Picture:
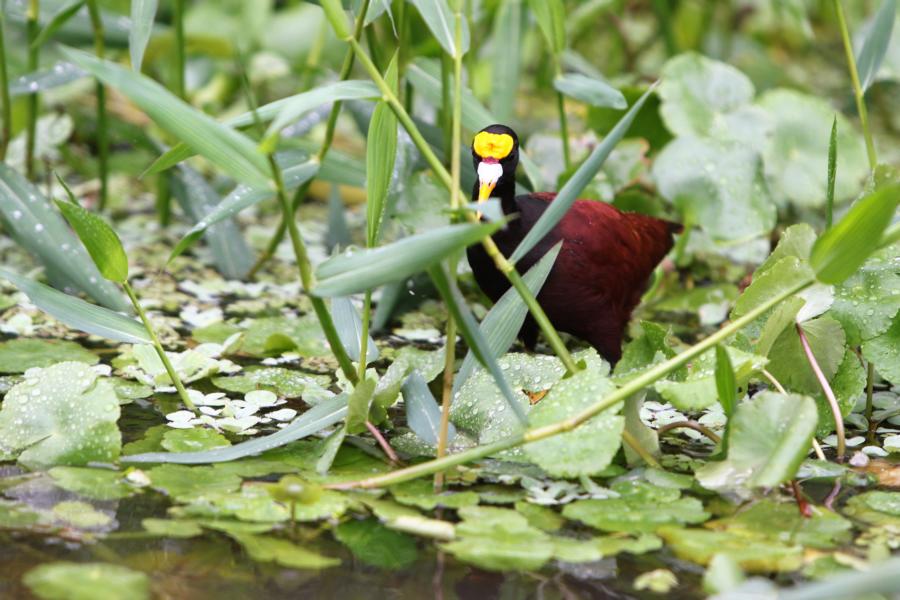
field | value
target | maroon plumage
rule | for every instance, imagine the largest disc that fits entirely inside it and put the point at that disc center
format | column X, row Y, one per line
column 603, row 268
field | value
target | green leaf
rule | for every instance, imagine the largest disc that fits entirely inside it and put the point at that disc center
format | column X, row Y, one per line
column 468, row 327
column 883, row 351
column 866, row 302
column 229, row 150
column 645, row 509
column 841, row 250
column 358, row 406
column 594, row 92
column 241, row 197
column 779, row 521
column 726, row 384
column 322, row 415
column 101, row 241
column 20, row 354
column 81, row 581
column 588, row 449
column 832, row 173
column 287, row 383
column 193, row 440
column 698, row 390
column 188, row 483
column 585, row 173
column 753, row 555
column 788, row 362
column 31, row 220
column 376, row 545
column 502, row 323
column 62, row 415
column 349, row 328
column 58, row 75
column 367, row 269
column 381, row 150
column 423, row 415
column 232, row 257
column 506, row 59
column 285, row 553
column 335, row 14
column 59, row 18
column 143, row 13
column 769, row 438
column 551, row 18
column 499, row 539
column 718, row 185
column 98, row 484
column 442, row 24
column 875, row 46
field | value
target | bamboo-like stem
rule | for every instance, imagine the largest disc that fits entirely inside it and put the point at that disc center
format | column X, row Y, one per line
column 858, row 92
column 307, row 278
column 330, row 126
column 709, row 433
column 534, row 434
column 180, row 59
column 829, row 393
column 102, row 129
column 5, row 103
column 32, row 28
column 160, row 351
column 500, row 261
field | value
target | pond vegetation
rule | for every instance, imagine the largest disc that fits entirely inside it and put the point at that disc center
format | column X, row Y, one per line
column 243, row 350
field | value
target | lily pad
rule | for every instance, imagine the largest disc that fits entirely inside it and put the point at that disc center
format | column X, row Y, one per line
column 420, row 493
column 782, row 522
column 643, row 511
column 283, row 552
column 270, row 336
column 754, row 555
column 172, row 528
column 61, row 415
column 284, row 382
column 250, row 503
column 193, row 440
column 374, row 544
column 698, row 389
column 20, row 354
column 87, row 581
column 98, row 484
column 187, row 483
column 867, row 302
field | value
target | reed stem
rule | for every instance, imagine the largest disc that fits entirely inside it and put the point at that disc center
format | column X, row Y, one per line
column 5, row 103
column 180, row 59
column 32, row 28
column 102, row 125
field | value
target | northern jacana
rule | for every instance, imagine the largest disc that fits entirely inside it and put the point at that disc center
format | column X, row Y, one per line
column 605, row 263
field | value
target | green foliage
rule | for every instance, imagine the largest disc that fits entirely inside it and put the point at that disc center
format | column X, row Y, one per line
column 79, row 581
column 20, row 354
column 101, row 241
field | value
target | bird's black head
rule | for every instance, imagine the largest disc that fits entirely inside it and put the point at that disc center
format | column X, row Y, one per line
column 495, row 153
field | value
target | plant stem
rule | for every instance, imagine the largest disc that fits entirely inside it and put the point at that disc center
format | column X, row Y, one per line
column 300, row 194
column 180, row 60
column 383, row 443
column 307, row 279
column 160, row 351
column 102, row 133
column 534, row 434
column 691, row 425
column 32, row 27
column 564, row 130
column 635, row 445
column 500, row 261
column 870, row 393
column 5, row 106
column 858, row 92
column 364, row 336
column 829, row 393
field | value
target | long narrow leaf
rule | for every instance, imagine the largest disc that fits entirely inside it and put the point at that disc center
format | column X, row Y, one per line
column 840, row 251
column 551, row 18
column 31, row 220
column 232, row 257
column 595, row 92
column 243, row 196
column 423, row 415
column 78, row 314
column 322, row 415
column 468, row 327
column 231, row 151
column 502, row 323
column 437, row 15
column 875, row 47
column 63, row 14
column 832, row 173
column 585, row 173
column 506, row 60
column 300, row 104
column 381, row 151
column 349, row 328
column 362, row 270
column 46, row 79
column 726, row 383
column 143, row 13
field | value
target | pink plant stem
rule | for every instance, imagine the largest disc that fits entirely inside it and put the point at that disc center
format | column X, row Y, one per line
column 829, row 394
column 382, row 442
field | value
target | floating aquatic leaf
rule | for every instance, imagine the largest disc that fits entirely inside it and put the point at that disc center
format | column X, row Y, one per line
column 79, row 581
column 20, row 354
column 283, row 552
column 99, row 484
column 374, row 544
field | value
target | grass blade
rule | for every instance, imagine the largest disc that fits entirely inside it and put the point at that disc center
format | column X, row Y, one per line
column 551, row 18
column 30, row 219
column 726, row 384
column 349, row 328
column 502, row 323
column 423, row 415
column 78, row 314
column 59, row 18
column 585, row 173
column 869, row 59
column 589, row 90
column 322, row 415
column 437, row 15
column 832, row 173
column 840, row 251
column 468, row 327
column 99, row 239
column 229, row 150
column 381, row 150
column 367, row 269
column 143, row 13
column 506, row 63
column 46, row 79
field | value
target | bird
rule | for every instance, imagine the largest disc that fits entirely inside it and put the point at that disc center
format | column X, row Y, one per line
column 605, row 263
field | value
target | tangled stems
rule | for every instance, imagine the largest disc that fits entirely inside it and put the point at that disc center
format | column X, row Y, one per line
column 648, row 377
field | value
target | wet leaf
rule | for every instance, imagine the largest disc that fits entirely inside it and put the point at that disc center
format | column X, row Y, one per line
column 98, row 484
column 753, row 555
column 423, row 414
column 698, row 389
column 636, row 514
column 87, row 581
column 788, row 362
column 187, row 483
column 20, row 354
column 61, row 415
column 884, row 352
column 193, row 440
column 100, row 239
column 867, row 301
column 284, row 382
